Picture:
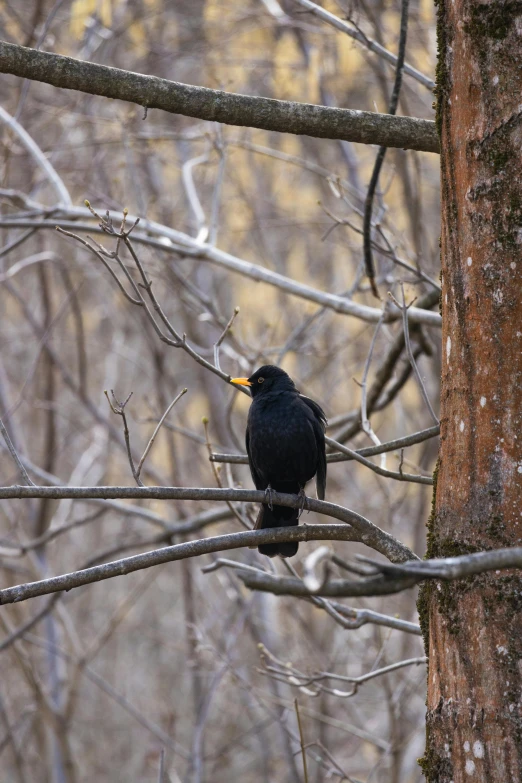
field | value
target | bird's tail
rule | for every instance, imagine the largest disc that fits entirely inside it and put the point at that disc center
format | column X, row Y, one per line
column 278, row 516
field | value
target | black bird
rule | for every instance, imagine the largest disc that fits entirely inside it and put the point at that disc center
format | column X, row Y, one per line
column 285, row 446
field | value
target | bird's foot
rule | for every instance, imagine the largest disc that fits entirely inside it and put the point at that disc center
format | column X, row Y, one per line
column 303, row 501
column 268, row 497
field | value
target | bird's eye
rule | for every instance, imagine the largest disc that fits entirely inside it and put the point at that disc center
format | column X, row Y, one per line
column 260, row 380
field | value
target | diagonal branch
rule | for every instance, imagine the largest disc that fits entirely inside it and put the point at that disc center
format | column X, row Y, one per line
column 370, row 44
column 154, row 235
column 38, row 156
column 12, row 451
column 396, row 475
column 218, row 106
column 170, row 554
column 392, row 579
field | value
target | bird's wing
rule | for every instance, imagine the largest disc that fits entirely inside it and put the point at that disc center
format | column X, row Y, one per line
column 320, row 476
column 256, row 478
column 319, row 428
column 318, row 412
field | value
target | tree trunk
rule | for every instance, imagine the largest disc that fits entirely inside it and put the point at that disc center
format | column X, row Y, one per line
column 474, row 627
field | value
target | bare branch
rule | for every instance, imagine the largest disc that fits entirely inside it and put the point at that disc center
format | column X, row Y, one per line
column 185, row 245
column 172, row 553
column 222, row 336
column 373, row 46
column 372, row 187
column 397, row 475
column 285, row 672
column 154, row 434
column 337, row 456
column 359, row 617
column 301, row 737
column 33, row 148
column 216, row 105
column 404, row 308
column 14, row 455
column 118, row 408
column 365, row 531
column 392, row 579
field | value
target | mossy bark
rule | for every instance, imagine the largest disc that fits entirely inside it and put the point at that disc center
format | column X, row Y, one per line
column 474, row 627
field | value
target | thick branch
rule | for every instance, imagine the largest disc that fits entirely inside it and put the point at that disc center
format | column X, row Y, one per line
column 367, row 532
column 394, row 579
column 216, row 105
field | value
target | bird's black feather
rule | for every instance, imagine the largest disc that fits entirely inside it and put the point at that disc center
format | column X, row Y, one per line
column 285, row 446
column 319, row 428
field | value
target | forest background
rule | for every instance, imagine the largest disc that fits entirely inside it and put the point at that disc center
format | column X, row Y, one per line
column 164, row 668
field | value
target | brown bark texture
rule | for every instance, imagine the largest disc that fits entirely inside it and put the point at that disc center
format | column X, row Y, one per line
column 474, row 626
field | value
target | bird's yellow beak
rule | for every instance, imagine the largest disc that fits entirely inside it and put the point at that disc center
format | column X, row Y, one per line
column 241, row 381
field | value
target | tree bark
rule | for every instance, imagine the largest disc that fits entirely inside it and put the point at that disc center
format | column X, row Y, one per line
column 473, row 627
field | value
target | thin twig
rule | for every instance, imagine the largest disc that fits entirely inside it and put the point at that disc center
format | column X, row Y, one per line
column 301, row 737
column 404, row 307
column 215, row 471
column 292, row 676
column 14, row 455
column 398, row 476
column 357, row 35
column 222, row 336
column 154, row 434
column 99, row 255
column 119, row 409
column 392, row 109
column 365, row 422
